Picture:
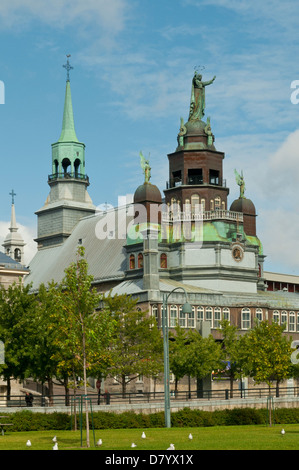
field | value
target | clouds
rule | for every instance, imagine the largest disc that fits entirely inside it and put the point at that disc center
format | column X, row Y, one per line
column 110, row 16
column 133, row 66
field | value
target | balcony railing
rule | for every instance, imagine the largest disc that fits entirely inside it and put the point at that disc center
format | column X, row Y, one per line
column 205, row 215
column 193, row 180
column 68, row 175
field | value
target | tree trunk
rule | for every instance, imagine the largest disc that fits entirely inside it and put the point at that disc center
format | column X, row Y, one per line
column 123, row 385
column 231, row 381
column 66, row 391
column 50, row 386
column 8, row 388
column 85, row 389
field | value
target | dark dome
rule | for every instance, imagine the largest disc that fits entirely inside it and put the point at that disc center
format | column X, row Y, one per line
column 195, row 127
column 147, row 192
column 243, row 205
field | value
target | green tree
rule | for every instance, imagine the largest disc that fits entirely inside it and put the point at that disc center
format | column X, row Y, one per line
column 267, row 353
column 231, row 350
column 137, row 347
column 83, row 332
column 17, row 331
column 192, row 355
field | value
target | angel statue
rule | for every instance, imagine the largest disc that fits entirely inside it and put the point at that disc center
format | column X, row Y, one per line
column 240, row 182
column 146, row 168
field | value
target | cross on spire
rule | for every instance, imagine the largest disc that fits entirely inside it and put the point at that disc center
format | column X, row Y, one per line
column 68, row 67
column 12, row 194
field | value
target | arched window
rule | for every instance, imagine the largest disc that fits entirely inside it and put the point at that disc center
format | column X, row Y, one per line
column 173, row 316
column 203, row 204
column 200, row 313
column 209, row 315
column 155, row 312
column 245, row 319
column 194, row 203
column 211, row 204
column 276, row 316
column 226, row 314
column 284, row 319
column 292, row 324
column 56, row 166
column 259, row 314
column 132, row 261
column 217, row 317
column 187, row 207
column 140, row 260
column 163, row 261
column 191, row 319
column 65, row 165
column 77, row 166
column 17, row 254
column 217, row 203
column 182, row 318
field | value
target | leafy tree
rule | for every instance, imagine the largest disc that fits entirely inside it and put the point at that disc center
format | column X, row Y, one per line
column 83, row 332
column 191, row 354
column 137, row 346
column 268, row 352
column 17, row 331
column 231, row 349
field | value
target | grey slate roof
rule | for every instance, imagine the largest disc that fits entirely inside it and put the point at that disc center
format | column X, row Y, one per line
column 9, row 263
column 106, row 257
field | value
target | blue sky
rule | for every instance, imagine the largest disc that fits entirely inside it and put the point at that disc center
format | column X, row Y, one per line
column 133, row 65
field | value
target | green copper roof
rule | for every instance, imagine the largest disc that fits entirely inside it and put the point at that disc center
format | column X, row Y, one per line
column 68, row 133
column 214, row 231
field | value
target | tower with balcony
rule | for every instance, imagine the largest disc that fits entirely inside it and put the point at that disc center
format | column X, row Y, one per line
column 68, row 200
column 210, row 245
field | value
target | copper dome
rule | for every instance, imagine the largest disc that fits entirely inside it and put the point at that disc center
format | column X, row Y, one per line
column 243, row 205
column 147, row 192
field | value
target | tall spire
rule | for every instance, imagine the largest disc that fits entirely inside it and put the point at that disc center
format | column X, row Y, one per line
column 68, row 133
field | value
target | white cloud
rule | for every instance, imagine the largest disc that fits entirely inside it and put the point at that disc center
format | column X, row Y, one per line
column 59, row 13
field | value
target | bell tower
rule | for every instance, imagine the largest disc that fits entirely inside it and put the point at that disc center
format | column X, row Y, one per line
column 196, row 167
column 14, row 243
column 68, row 200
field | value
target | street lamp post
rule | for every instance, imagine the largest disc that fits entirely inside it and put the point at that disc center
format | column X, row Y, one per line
column 187, row 309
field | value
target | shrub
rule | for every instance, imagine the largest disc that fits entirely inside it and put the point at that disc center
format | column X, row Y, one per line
column 26, row 420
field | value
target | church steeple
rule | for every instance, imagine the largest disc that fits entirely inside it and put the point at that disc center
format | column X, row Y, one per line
column 68, row 133
column 14, row 243
column 68, row 200
column 68, row 154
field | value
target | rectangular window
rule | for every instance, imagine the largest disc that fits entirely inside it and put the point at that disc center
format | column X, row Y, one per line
column 214, row 177
column 195, row 176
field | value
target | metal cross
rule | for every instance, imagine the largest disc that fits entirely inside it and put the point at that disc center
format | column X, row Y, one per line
column 12, row 194
column 68, row 67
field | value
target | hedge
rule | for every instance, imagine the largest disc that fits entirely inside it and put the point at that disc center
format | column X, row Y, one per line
column 27, row 420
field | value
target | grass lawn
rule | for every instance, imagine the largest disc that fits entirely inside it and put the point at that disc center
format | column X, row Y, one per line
column 205, row 438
